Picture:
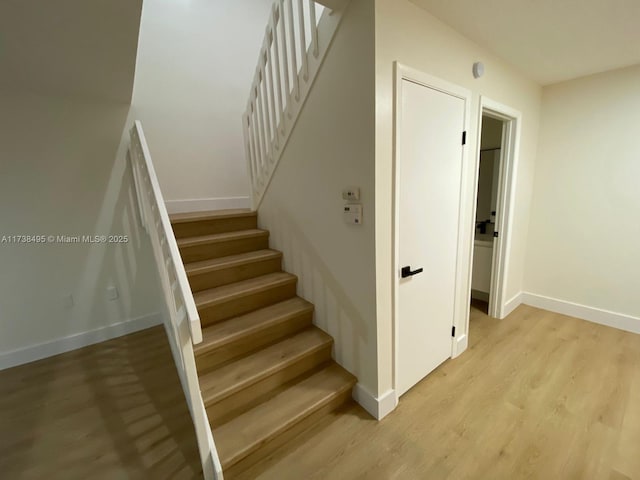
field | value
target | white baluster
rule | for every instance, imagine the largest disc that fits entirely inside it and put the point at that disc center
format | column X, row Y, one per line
column 265, row 109
column 261, row 129
column 303, row 41
column 276, row 51
column 285, row 56
column 271, row 91
column 314, row 28
column 247, row 144
column 256, row 137
column 294, row 61
column 254, row 144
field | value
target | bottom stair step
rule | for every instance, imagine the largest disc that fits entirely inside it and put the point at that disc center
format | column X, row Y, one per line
column 259, row 431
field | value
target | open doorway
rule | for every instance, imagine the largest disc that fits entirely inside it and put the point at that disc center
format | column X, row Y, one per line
column 498, row 140
column 486, row 210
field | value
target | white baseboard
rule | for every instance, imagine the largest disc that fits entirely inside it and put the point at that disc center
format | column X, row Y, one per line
column 511, row 305
column 460, row 344
column 584, row 312
column 378, row 407
column 478, row 295
column 72, row 342
column 203, row 204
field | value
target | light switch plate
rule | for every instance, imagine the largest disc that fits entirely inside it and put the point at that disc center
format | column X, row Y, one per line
column 353, row 214
column 351, row 193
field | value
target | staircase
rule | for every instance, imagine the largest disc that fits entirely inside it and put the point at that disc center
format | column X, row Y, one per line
column 265, row 371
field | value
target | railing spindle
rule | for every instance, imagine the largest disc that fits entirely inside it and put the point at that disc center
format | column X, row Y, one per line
column 254, row 148
column 271, row 90
column 256, row 139
column 248, row 147
column 285, row 55
column 276, row 56
column 303, row 41
column 261, row 128
column 294, row 54
column 275, row 103
column 314, row 28
column 265, row 107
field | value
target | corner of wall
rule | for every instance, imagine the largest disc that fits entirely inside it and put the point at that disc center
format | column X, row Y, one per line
column 377, row 407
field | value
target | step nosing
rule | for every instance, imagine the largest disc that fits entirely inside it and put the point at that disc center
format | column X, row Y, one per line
column 266, row 373
column 245, row 292
column 247, row 332
column 281, row 428
column 194, row 217
column 220, row 265
column 254, row 328
column 221, row 237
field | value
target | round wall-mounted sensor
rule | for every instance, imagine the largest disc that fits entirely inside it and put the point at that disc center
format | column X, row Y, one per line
column 478, row 69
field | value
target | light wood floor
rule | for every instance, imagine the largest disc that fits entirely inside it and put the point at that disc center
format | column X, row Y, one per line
column 110, row 411
column 536, row 396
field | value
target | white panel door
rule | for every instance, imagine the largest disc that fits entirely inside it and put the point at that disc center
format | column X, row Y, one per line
column 429, row 173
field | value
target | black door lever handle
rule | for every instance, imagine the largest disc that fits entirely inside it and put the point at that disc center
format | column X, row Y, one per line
column 407, row 272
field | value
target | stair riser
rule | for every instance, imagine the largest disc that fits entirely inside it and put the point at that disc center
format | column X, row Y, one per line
column 206, row 251
column 233, row 467
column 241, row 401
column 202, row 281
column 253, row 341
column 210, row 227
column 242, row 304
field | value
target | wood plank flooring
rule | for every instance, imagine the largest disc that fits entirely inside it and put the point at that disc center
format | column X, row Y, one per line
column 536, row 396
column 110, row 411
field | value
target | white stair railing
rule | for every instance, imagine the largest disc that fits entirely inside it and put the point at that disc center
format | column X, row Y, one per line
column 294, row 46
column 183, row 329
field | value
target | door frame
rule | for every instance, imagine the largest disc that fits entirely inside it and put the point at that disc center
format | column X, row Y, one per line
column 512, row 121
column 463, row 267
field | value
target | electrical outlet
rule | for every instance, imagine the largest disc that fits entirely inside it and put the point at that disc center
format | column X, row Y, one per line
column 112, row 293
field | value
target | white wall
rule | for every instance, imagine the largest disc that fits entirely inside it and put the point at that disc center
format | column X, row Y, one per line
column 332, row 147
column 63, row 172
column 410, row 35
column 195, row 66
column 585, row 219
column 70, row 48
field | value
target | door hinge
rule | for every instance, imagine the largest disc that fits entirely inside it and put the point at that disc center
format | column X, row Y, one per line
column 453, row 331
column 495, row 234
column 464, row 137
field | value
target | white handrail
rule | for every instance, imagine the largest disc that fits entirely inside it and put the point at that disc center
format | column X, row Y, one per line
column 183, row 322
column 294, row 46
column 167, row 232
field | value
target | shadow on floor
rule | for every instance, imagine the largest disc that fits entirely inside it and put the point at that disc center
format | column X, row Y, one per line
column 480, row 305
column 114, row 410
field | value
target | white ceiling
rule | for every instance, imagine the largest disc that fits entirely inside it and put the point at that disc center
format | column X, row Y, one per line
column 70, row 47
column 549, row 40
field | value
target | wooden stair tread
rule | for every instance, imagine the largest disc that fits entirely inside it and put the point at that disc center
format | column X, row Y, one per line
column 246, row 433
column 243, row 288
column 230, row 261
column 221, row 237
column 225, row 381
column 265, row 372
column 210, row 215
column 230, row 330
